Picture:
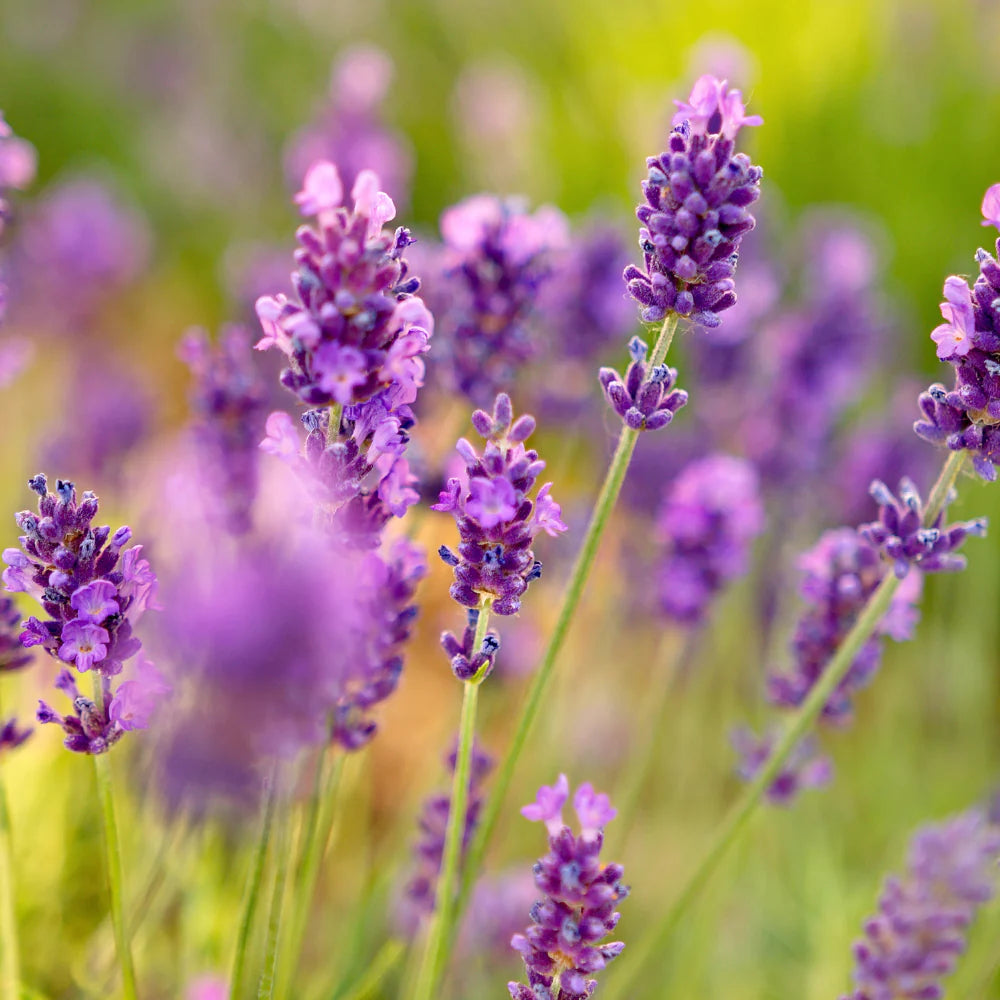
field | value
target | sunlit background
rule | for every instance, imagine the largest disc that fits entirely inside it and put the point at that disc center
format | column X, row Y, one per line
column 182, row 122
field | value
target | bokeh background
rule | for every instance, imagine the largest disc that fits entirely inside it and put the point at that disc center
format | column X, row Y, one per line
column 184, row 111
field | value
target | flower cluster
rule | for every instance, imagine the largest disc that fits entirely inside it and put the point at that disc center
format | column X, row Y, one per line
column 93, row 589
column 355, row 329
column 467, row 662
column 349, row 130
column 645, row 399
column 562, row 949
column 901, row 536
column 698, row 195
column 496, row 520
column 915, row 939
column 496, row 259
column 12, row 657
column 840, row 574
column 967, row 417
column 420, row 897
column 709, row 520
column 228, row 398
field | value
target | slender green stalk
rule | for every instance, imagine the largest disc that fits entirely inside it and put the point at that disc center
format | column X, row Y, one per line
column 796, row 728
column 440, row 935
column 315, row 838
column 105, row 795
column 574, row 590
column 333, row 427
column 265, row 985
column 10, row 975
column 381, row 965
column 251, row 894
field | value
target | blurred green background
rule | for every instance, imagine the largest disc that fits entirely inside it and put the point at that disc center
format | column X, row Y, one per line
column 892, row 108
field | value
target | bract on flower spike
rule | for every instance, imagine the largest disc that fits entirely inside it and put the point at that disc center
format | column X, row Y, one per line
column 562, row 949
column 93, row 590
column 496, row 519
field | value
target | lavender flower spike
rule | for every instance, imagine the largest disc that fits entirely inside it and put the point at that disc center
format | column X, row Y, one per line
column 900, row 535
column 562, row 948
column 496, row 520
column 645, row 399
column 915, row 939
column 697, row 198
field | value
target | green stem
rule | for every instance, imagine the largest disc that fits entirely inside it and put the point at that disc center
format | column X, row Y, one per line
column 333, row 426
column 265, row 986
column 251, row 893
column 574, row 590
column 316, row 837
column 440, row 935
column 381, row 965
column 796, row 728
column 10, row 979
column 105, row 795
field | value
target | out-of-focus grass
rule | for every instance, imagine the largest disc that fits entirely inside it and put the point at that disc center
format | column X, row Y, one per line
column 891, row 107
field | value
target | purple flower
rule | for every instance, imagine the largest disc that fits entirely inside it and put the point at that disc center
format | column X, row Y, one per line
column 83, row 643
column 645, row 399
column 947, row 422
column 420, row 899
column 562, row 949
column 991, row 206
column 713, row 109
column 95, row 601
column 228, row 397
column 12, row 736
column 839, row 576
column 12, row 654
column 354, row 301
column 915, row 939
column 954, row 336
column 803, row 768
column 901, row 536
column 467, row 662
column 495, row 517
column 17, row 166
column 496, row 260
column 696, row 211
column 709, row 520
column 135, row 700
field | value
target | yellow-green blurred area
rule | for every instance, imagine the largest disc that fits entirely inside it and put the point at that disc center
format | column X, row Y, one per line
column 890, row 108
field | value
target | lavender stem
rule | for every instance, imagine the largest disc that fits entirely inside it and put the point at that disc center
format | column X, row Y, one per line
column 10, row 978
column 574, row 590
column 838, row 666
column 252, row 890
column 381, row 965
column 102, row 767
column 265, row 986
column 439, row 939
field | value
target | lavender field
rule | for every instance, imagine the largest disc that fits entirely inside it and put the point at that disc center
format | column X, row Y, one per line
column 497, row 500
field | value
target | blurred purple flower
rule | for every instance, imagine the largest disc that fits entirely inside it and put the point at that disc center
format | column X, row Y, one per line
column 12, row 736
column 17, row 167
column 991, row 206
column 803, row 768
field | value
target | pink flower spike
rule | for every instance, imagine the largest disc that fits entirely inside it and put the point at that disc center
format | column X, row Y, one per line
column 991, row 206
column 593, row 809
column 954, row 336
column 547, row 807
column 322, row 190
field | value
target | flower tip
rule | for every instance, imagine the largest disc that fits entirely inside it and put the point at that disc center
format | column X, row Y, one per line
column 991, row 206
column 322, row 190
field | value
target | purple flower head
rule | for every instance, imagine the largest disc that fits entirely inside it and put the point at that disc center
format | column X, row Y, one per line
column 900, row 535
column 497, row 522
column 12, row 735
column 82, row 576
column 13, row 655
column 991, row 206
column 228, row 397
column 840, row 574
column 467, row 662
column 709, row 520
column 497, row 257
column 696, row 212
column 17, row 166
column 714, row 109
column 353, row 332
column 946, row 421
column 548, row 805
column 803, row 769
column 350, row 129
column 954, row 336
column 916, row 937
column 420, row 894
column 562, row 948
column 645, row 398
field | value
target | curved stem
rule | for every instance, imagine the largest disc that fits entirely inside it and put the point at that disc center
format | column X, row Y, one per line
column 316, row 837
column 574, row 590
column 439, row 939
column 333, row 425
column 381, row 965
column 251, row 893
column 265, row 986
column 797, row 727
column 105, row 795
